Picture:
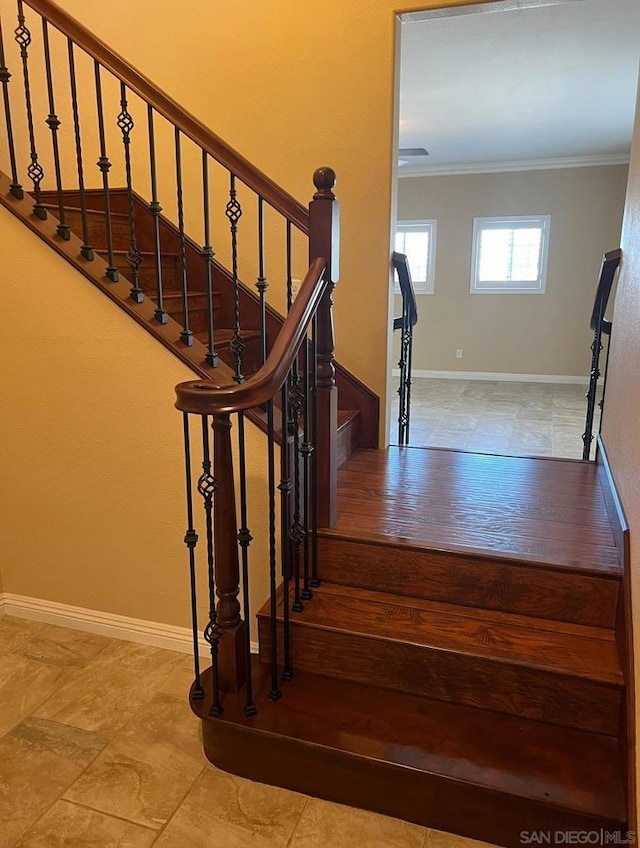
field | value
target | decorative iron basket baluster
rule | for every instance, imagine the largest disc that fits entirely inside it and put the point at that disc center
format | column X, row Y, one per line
column 297, row 530
column 234, row 213
column 34, row 171
column 134, row 257
column 306, row 450
column 105, row 166
column 5, row 76
column 207, row 486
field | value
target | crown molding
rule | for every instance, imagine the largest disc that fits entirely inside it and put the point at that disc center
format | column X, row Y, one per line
column 601, row 160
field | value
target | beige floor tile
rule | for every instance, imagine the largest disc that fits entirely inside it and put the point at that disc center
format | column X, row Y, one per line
column 48, row 643
column 438, row 839
column 326, row 825
column 228, row 811
column 38, row 760
column 180, row 678
column 110, row 689
column 148, row 768
column 25, row 684
column 69, row 826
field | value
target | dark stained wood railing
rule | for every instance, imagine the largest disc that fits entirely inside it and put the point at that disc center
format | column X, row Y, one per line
column 228, row 634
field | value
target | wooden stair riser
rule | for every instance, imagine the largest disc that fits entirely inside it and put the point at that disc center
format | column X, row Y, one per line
column 479, row 581
column 430, row 800
column 480, row 682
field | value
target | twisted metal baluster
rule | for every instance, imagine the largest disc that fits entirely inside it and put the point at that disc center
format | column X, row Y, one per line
column 53, row 122
column 134, row 257
column 86, row 250
column 186, row 335
column 207, row 255
column 261, row 283
column 275, row 692
column 159, row 314
column 105, row 165
column 34, row 171
column 15, row 188
column 285, row 487
column 207, row 486
column 234, row 213
column 244, row 539
column 191, row 540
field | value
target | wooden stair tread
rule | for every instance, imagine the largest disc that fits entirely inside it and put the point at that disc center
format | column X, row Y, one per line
column 522, row 509
column 53, row 207
column 560, row 767
column 224, row 335
column 569, row 649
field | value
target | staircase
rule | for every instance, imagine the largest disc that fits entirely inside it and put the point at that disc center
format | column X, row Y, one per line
column 458, row 665
column 445, row 637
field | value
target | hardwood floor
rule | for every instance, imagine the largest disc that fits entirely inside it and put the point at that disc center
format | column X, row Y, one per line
column 532, row 509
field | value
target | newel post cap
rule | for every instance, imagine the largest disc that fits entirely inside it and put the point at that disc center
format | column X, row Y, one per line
column 324, row 179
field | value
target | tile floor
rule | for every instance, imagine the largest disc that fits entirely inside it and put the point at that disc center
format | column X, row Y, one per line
column 541, row 419
column 99, row 749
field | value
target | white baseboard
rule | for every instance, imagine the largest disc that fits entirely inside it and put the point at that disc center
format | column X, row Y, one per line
column 154, row 633
column 498, row 376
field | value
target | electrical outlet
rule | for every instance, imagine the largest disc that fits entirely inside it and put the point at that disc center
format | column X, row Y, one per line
column 458, row 354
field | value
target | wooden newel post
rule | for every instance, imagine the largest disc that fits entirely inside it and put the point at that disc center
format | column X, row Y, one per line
column 324, row 243
column 231, row 648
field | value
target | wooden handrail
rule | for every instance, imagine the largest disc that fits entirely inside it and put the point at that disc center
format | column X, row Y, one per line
column 202, row 398
column 174, row 113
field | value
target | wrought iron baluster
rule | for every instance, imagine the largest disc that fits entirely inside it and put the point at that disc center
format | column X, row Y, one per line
column 86, row 250
column 306, row 450
column 105, row 165
column 244, row 540
column 285, row 487
column 234, row 213
column 207, row 255
column 314, row 582
column 34, row 171
column 159, row 314
column 191, row 540
column 186, row 335
column 207, row 485
column 261, row 283
column 5, row 76
column 297, row 530
column 289, row 251
column 53, row 122
column 134, row 257
column 275, row 692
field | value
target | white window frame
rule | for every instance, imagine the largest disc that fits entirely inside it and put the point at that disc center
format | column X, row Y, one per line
column 431, row 226
column 511, row 286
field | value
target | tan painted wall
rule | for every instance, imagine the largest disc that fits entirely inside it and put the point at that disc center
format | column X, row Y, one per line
column 622, row 411
column 517, row 333
column 92, row 495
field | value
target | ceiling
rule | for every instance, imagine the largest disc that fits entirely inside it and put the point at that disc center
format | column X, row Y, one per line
column 498, row 89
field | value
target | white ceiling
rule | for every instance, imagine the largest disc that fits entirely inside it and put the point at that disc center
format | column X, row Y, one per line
column 543, row 82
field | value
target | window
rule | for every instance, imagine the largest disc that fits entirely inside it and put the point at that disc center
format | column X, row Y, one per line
column 417, row 239
column 510, row 255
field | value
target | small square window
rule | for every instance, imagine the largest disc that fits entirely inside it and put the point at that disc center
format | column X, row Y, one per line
column 417, row 239
column 510, row 255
